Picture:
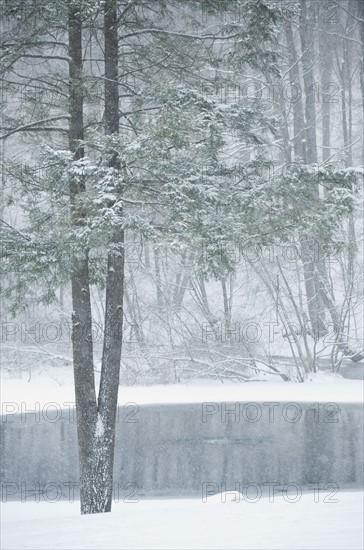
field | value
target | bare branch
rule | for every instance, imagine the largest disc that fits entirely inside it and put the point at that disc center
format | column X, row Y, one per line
column 33, row 126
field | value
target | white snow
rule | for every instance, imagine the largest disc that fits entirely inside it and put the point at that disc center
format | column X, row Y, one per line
column 189, row 524
column 219, row 523
column 57, row 387
column 99, row 427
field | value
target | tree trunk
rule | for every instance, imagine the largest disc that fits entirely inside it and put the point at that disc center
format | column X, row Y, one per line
column 158, row 279
column 304, row 153
column 326, row 63
column 228, row 303
column 361, row 30
column 315, row 302
column 299, row 142
column 281, row 108
column 113, row 330
column 96, row 419
column 182, row 280
column 86, row 406
column 308, row 61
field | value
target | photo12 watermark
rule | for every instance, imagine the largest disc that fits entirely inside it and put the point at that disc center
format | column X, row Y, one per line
column 271, row 411
column 270, row 331
column 252, row 492
column 53, row 492
column 53, row 412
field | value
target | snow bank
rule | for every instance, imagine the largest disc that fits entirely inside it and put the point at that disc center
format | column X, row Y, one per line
column 321, row 387
column 189, row 524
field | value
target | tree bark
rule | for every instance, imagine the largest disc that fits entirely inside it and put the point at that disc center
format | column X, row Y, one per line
column 96, row 419
column 299, row 142
column 307, row 41
column 326, row 63
column 304, row 144
column 113, row 330
column 313, row 284
column 86, row 406
column 361, row 31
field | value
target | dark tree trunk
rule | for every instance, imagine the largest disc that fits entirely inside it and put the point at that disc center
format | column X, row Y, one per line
column 96, row 418
column 86, row 406
column 113, row 330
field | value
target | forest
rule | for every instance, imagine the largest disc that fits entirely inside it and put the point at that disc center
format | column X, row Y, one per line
column 220, row 145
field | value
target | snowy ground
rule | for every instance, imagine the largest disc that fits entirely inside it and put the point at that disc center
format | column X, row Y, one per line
column 187, row 523
column 56, row 385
